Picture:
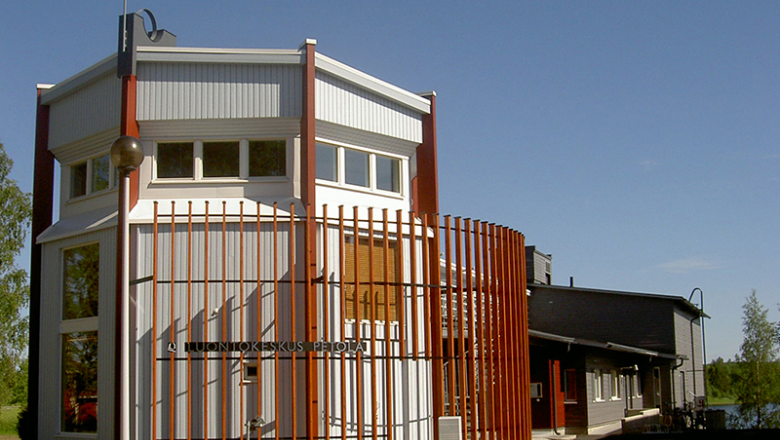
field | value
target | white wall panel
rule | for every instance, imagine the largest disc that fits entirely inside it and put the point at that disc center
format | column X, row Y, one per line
column 217, row 91
column 343, row 103
column 50, row 391
column 85, row 112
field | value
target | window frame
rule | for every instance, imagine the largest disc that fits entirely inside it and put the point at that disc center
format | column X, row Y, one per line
column 364, row 243
column 598, row 385
column 615, row 388
column 88, row 177
column 69, row 326
column 569, row 384
column 243, row 161
column 373, row 155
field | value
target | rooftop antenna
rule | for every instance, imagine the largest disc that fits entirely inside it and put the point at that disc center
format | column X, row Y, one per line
column 124, row 27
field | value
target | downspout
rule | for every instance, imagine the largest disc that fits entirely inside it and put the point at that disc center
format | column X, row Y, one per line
column 674, row 394
column 554, row 396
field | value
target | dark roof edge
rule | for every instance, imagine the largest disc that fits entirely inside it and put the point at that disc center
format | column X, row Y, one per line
column 604, row 345
column 690, row 306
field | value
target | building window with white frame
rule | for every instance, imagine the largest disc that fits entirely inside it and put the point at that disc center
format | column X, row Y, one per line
column 598, row 385
column 220, row 160
column 615, row 385
column 350, row 167
column 79, row 339
column 92, row 176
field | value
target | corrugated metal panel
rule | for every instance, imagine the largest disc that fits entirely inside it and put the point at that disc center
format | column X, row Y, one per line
column 217, row 91
column 50, row 348
column 343, row 103
column 90, row 110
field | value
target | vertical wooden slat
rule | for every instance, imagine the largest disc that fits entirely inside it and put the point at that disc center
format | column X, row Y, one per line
column 258, row 312
column 190, row 409
column 224, row 320
column 472, row 341
column 292, row 247
column 490, row 354
column 482, row 378
column 343, row 322
column 498, row 337
column 461, row 366
column 276, row 319
column 325, row 317
column 400, row 302
column 311, row 391
column 154, row 323
column 388, row 348
column 241, row 416
column 426, row 290
column 451, row 380
column 206, row 321
column 372, row 319
column 357, row 332
column 172, row 329
column 435, row 329
column 413, row 280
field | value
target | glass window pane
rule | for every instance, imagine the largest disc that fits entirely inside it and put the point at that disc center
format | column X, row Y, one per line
column 78, row 180
column 356, row 167
column 174, row 160
column 387, row 174
column 100, row 173
column 220, row 159
column 79, row 382
column 81, row 282
column 267, row 158
column 327, row 168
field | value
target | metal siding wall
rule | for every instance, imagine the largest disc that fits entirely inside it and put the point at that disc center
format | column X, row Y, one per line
column 342, row 103
column 51, row 306
column 412, row 407
column 217, row 91
column 90, row 110
column 692, row 348
column 216, row 314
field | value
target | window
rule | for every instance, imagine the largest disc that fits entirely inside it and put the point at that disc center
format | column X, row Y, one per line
column 221, row 159
column 79, row 339
column 615, row 385
column 360, row 263
column 175, row 160
column 79, row 382
column 100, row 173
column 267, row 158
column 78, row 180
column 91, row 176
column 232, row 159
column 81, row 282
column 570, row 385
column 388, row 174
column 536, row 390
column 358, row 168
column 598, row 385
column 327, row 161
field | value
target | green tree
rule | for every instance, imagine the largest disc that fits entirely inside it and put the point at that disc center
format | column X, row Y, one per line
column 756, row 379
column 14, row 295
column 719, row 374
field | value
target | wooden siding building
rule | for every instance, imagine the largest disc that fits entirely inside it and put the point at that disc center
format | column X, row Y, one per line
column 285, row 257
column 609, row 354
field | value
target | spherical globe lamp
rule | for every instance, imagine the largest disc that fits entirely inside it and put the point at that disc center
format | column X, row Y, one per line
column 127, row 154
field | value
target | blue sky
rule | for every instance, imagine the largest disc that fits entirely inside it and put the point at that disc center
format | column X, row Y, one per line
column 638, row 142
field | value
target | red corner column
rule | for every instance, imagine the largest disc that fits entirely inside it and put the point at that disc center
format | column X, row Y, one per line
column 308, row 198
column 129, row 125
column 43, row 193
column 425, row 187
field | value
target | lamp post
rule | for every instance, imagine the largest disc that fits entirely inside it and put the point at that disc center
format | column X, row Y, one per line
column 126, row 155
column 703, row 341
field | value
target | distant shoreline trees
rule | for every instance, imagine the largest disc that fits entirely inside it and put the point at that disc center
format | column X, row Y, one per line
column 753, row 378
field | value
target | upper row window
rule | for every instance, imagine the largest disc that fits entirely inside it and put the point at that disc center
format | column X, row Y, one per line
column 360, row 168
column 222, row 159
column 92, row 176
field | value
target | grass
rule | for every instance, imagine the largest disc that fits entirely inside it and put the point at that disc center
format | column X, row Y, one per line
column 8, row 417
column 721, row 401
